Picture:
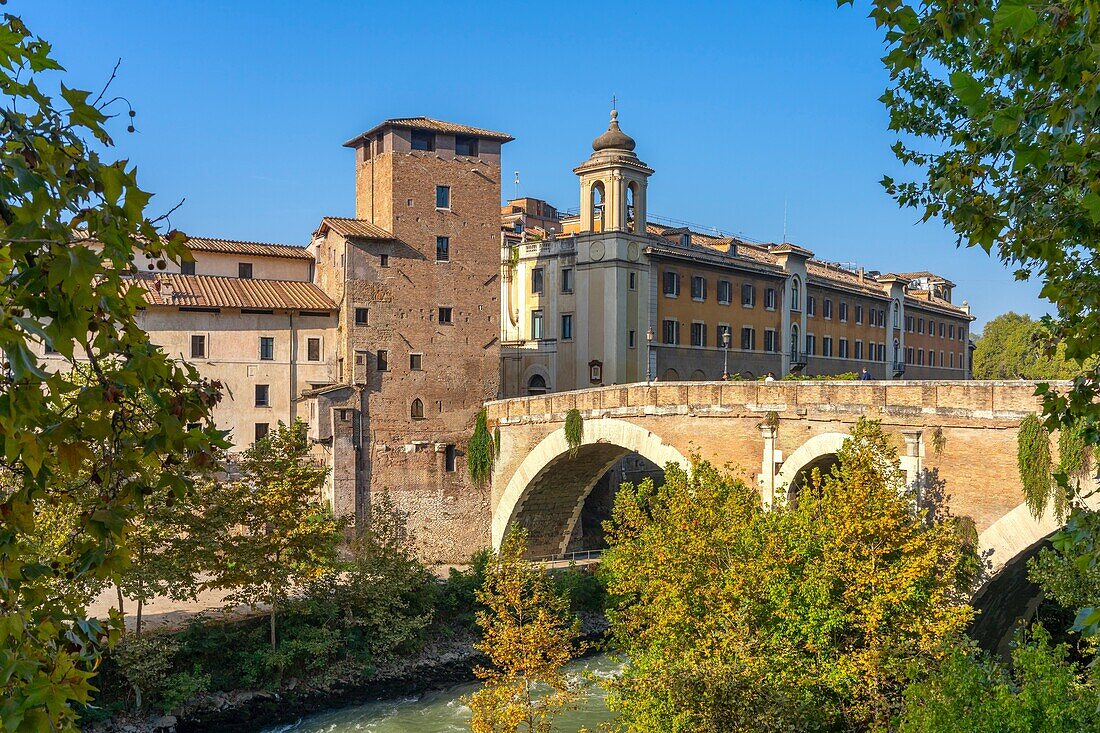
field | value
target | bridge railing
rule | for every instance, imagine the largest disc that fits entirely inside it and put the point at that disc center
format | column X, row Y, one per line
column 569, row 557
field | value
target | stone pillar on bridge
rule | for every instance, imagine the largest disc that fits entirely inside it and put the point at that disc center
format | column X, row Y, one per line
column 767, row 465
column 911, row 460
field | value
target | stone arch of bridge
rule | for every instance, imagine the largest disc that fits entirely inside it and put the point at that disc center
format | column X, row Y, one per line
column 817, row 452
column 547, row 492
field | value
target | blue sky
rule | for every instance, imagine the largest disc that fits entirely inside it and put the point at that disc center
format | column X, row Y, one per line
column 739, row 106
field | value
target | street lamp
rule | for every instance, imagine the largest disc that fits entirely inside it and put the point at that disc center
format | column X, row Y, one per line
column 725, row 354
column 648, row 354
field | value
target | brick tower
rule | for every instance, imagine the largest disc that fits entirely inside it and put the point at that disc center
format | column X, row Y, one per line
column 416, row 278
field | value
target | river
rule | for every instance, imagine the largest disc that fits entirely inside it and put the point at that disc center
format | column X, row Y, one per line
column 439, row 712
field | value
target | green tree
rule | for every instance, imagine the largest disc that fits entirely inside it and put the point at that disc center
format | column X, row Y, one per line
column 271, row 531
column 529, row 635
column 71, row 226
column 805, row 617
column 1042, row 691
column 995, row 105
column 1014, row 346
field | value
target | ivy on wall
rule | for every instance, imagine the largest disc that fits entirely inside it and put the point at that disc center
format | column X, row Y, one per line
column 1033, row 458
column 480, row 451
column 574, row 430
column 1074, row 456
column 939, row 440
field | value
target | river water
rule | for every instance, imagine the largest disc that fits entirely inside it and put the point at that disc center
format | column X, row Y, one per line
column 443, row 711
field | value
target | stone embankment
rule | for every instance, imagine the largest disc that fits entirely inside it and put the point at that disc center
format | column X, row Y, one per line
column 443, row 662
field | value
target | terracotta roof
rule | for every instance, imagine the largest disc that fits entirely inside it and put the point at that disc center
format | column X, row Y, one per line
column 359, row 228
column 427, row 123
column 207, row 291
column 233, row 246
column 924, row 274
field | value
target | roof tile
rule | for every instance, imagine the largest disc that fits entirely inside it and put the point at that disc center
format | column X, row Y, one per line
column 233, row 246
column 170, row 289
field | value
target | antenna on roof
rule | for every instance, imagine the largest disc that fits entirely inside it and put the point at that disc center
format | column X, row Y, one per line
column 517, row 185
column 784, row 220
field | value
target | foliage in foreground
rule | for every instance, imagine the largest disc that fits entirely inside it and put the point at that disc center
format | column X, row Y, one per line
column 808, row 617
column 1043, row 691
column 529, row 636
column 72, row 226
column 995, row 106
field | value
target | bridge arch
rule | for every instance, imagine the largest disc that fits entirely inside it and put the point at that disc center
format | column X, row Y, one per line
column 548, row 490
column 818, row 452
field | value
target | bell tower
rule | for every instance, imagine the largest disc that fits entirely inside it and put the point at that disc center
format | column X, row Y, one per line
column 613, row 184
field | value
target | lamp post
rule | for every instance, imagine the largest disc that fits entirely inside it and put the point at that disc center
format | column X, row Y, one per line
column 648, row 354
column 725, row 354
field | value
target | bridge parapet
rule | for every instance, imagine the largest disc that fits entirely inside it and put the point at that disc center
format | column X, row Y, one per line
column 986, row 400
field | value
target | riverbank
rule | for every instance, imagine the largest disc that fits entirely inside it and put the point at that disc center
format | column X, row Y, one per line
column 443, row 662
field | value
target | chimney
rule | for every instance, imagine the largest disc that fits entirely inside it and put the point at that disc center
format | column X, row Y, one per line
column 860, row 276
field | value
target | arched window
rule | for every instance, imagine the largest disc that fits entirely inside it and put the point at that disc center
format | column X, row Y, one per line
column 794, row 342
column 631, row 192
column 897, row 314
column 897, row 352
column 796, row 294
column 536, row 384
column 417, row 410
column 597, row 203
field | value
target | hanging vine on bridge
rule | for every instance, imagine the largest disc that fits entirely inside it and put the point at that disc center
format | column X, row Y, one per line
column 574, row 430
column 1033, row 457
column 480, row 451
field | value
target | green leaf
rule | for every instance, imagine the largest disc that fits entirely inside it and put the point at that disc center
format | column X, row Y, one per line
column 968, row 89
column 1091, row 202
column 1016, row 16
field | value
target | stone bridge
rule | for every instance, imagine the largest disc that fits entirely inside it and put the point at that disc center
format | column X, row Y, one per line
column 973, row 423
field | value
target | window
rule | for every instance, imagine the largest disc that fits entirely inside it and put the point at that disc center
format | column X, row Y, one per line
column 671, row 283
column 872, row 316
column 769, row 298
column 897, row 314
column 198, row 347
column 920, row 325
column 748, row 295
column 794, row 342
column 632, row 279
column 698, row 288
column 882, row 318
column 267, row 348
column 416, row 362
column 383, row 359
column 597, row 201
column 567, row 327
column 442, row 249
column 858, row 350
column 313, row 349
column 909, row 324
column 442, row 197
column 536, row 384
column 244, row 270
column 361, row 316
column 882, row 351
column 859, row 313
column 951, row 331
column 941, row 330
column 811, row 347
column 826, row 346
column 449, row 459
column 725, row 292
column 811, row 305
column 263, row 394
column 748, row 338
column 909, row 355
column 466, row 145
column 416, row 410
column 631, row 339
column 842, row 349
column 920, row 357
column 943, row 361
column 536, row 325
column 698, row 334
column 670, row 331
column 769, row 340
column 827, row 309
column 952, row 359
column 843, row 312
column 187, row 268
column 423, row 140
column 262, row 429
column 567, row 280
column 725, row 336
column 796, row 294
column 961, row 334
column 536, row 280
column 446, row 315
column 383, row 260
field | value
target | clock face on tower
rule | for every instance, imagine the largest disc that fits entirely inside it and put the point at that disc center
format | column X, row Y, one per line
column 596, row 251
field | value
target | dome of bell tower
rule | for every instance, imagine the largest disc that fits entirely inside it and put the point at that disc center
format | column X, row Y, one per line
column 613, row 138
